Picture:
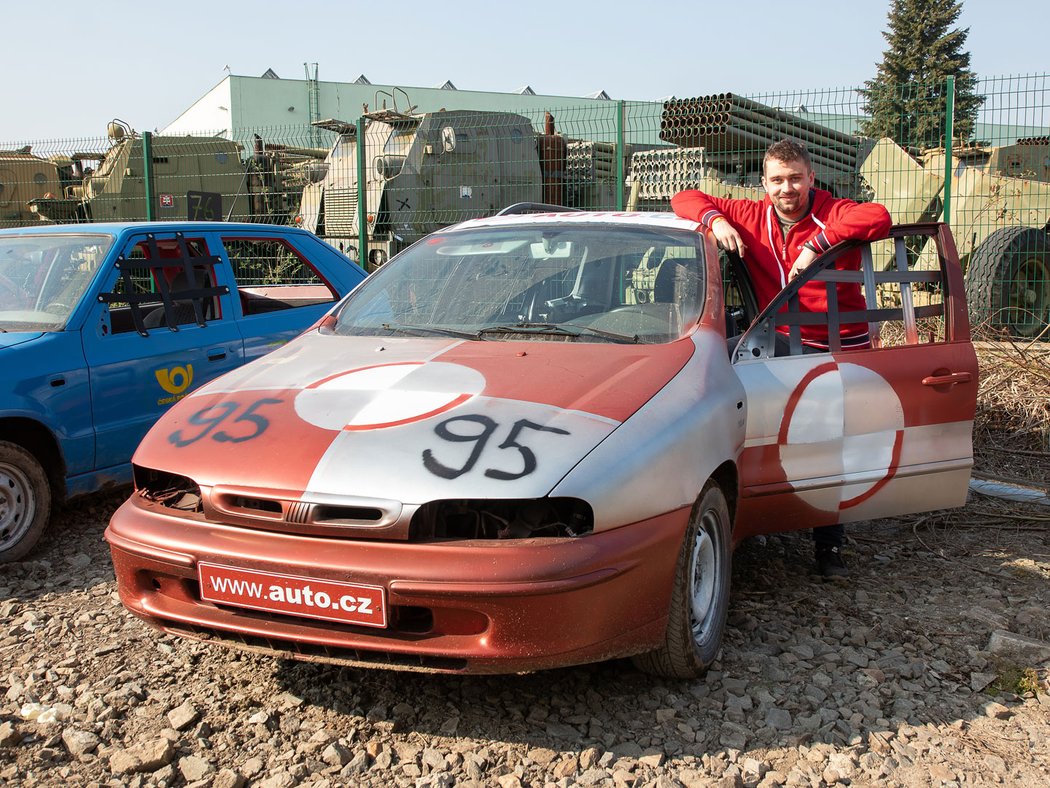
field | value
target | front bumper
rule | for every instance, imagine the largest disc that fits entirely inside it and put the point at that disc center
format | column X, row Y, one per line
column 464, row 606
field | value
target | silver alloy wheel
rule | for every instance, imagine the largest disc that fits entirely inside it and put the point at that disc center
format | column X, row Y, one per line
column 703, row 576
column 17, row 504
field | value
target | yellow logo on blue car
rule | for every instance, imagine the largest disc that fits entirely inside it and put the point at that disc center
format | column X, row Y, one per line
column 175, row 381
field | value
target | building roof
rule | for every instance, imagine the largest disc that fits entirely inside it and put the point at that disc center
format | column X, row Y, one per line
column 283, row 110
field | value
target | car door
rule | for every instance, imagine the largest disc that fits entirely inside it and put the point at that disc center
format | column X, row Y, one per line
column 161, row 328
column 280, row 285
column 847, row 435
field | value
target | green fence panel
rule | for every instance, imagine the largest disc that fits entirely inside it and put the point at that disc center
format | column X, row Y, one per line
column 374, row 184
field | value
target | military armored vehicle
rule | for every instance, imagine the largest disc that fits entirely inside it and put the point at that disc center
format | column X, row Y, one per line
column 999, row 215
column 24, row 177
column 423, row 172
column 194, row 178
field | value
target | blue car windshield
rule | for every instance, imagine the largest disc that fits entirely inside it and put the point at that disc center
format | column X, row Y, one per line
column 43, row 276
column 581, row 281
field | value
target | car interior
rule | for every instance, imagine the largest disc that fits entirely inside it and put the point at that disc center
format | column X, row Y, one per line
column 164, row 283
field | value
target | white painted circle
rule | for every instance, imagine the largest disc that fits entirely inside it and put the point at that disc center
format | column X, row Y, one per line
column 387, row 396
column 832, row 434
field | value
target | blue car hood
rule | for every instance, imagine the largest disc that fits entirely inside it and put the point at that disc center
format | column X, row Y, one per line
column 12, row 338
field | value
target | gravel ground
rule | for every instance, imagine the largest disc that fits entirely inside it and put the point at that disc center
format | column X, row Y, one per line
column 894, row 678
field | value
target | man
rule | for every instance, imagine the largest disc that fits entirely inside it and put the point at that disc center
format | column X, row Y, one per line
column 778, row 237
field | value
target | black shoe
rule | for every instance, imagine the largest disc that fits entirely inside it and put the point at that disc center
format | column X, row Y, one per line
column 830, row 565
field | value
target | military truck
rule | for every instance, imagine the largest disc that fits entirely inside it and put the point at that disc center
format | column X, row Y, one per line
column 277, row 175
column 423, row 172
column 999, row 215
column 194, row 178
column 24, row 177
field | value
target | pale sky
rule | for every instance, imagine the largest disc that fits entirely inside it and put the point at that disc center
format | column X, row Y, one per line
column 74, row 66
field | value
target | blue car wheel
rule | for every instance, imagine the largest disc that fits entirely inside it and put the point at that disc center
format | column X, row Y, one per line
column 25, row 502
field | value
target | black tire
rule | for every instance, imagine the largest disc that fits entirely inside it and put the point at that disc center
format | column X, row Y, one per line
column 1008, row 281
column 25, row 502
column 700, row 597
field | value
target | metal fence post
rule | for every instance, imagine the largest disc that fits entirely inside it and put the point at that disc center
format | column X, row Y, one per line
column 313, row 99
column 949, row 133
column 147, row 172
column 619, row 154
column 362, row 197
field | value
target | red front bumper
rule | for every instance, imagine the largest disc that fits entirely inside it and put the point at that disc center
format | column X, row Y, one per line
column 473, row 607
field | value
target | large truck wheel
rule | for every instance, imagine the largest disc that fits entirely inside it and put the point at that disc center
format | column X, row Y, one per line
column 25, row 502
column 1008, row 281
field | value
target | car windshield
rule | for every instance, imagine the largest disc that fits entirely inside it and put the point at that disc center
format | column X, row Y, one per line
column 42, row 277
column 585, row 282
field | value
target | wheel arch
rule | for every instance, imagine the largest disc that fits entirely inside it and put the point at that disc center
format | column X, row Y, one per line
column 698, row 610
column 729, row 480
column 39, row 441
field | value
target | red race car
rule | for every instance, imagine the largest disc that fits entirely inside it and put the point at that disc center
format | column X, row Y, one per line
column 533, row 440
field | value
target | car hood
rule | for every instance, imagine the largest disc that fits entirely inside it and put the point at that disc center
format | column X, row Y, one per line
column 12, row 338
column 408, row 419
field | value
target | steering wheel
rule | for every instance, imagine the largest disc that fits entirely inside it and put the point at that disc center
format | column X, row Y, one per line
column 57, row 308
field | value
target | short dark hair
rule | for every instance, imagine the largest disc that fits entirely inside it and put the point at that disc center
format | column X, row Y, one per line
column 785, row 151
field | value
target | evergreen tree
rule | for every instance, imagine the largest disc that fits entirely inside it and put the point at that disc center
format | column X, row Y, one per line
column 907, row 99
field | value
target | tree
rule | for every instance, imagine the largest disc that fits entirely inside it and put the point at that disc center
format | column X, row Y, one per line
column 907, row 99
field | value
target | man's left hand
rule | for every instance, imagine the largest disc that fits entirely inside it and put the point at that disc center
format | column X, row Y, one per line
column 802, row 262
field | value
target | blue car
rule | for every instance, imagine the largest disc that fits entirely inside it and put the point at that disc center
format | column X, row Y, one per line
column 104, row 326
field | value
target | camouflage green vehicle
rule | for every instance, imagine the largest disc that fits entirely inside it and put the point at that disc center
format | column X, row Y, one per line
column 423, row 172
column 194, row 178
column 999, row 215
column 24, row 177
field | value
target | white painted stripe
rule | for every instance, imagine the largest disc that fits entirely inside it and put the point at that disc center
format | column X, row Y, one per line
column 773, row 245
column 753, row 442
column 626, row 218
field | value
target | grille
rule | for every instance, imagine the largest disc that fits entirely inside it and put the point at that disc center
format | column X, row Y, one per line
column 340, row 211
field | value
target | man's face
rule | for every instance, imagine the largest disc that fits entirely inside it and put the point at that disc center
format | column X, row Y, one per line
column 788, row 183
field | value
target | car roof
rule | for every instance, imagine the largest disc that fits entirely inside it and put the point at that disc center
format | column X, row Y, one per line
column 665, row 220
column 116, row 228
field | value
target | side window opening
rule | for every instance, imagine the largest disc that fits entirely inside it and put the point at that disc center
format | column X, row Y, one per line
column 903, row 284
column 164, row 283
column 909, row 293
column 272, row 276
column 738, row 293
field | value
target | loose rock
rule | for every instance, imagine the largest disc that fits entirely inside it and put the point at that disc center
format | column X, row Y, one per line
column 79, row 742
column 183, row 716
column 887, row 680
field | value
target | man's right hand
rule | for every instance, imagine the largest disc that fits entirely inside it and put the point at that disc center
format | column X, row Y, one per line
column 727, row 237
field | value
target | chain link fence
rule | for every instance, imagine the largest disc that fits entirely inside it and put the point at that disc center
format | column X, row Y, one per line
column 425, row 171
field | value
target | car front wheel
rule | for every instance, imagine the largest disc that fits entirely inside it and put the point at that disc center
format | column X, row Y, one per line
column 25, row 502
column 700, row 597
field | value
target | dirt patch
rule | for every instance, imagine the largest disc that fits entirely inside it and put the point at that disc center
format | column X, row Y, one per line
column 885, row 680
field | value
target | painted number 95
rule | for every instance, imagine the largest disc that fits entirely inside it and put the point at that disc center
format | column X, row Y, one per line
column 247, row 425
column 478, row 429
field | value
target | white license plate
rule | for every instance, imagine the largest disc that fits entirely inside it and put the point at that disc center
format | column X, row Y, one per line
column 348, row 603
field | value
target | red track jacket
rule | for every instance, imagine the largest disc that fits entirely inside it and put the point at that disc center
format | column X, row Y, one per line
column 769, row 255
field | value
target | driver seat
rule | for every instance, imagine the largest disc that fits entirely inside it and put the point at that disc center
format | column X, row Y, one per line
column 183, row 307
column 673, row 274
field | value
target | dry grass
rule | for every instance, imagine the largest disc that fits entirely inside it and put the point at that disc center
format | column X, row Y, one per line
column 1011, row 443
column 1012, row 424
